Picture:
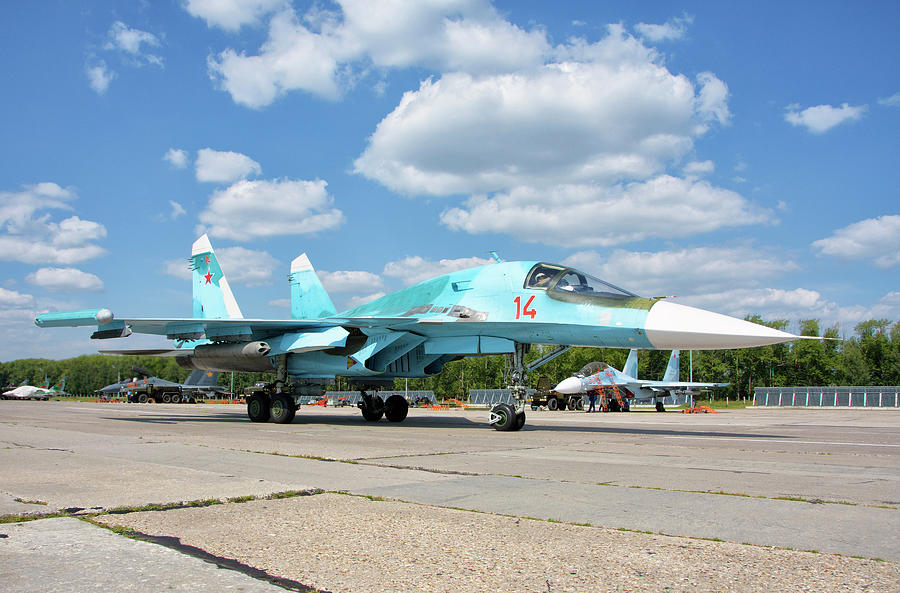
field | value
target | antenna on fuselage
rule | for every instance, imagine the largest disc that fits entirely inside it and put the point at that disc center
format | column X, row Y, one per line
column 496, row 257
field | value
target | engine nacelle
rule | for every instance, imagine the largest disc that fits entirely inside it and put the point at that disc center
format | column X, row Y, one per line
column 249, row 357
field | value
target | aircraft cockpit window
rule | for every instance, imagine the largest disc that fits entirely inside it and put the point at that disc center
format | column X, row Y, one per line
column 577, row 282
column 541, row 275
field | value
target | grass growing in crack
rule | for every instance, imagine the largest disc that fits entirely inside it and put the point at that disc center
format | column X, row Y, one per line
column 293, row 494
column 22, row 518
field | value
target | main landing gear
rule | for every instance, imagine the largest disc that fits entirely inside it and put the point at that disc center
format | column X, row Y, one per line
column 267, row 402
column 373, row 407
column 512, row 416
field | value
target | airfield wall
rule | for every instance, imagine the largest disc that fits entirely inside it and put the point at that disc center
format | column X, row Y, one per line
column 828, row 397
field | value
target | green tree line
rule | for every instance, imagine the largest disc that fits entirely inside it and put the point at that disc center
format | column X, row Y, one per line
column 870, row 357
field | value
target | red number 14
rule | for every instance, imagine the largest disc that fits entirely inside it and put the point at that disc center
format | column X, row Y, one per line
column 527, row 310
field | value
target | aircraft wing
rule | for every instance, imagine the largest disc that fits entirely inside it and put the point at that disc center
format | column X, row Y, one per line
column 666, row 385
column 199, row 328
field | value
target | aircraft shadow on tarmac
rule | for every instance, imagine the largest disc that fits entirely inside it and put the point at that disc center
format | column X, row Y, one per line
column 438, row 422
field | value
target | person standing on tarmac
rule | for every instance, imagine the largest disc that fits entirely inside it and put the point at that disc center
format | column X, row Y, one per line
column 592, row 398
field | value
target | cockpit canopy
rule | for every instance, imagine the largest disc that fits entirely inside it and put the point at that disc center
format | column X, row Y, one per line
column 564, row 283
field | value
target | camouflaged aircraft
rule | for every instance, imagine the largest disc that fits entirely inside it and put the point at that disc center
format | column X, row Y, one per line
column 499, row 308
column 599, row 378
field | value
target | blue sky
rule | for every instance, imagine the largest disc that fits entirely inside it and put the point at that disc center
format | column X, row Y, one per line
column 743, row 158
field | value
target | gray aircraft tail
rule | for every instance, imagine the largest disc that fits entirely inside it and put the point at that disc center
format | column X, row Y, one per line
column 631, row 364
column 201, row 378
column 673, row 368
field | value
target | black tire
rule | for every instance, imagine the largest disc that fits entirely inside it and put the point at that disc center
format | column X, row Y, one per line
column 142, row 398
column 374, row 415
column 552, row 404
column 258, row 407
column 283, row 409
column 503, row 417
column 579, row 404
column 176, row 398
column 660, row 407
column 166, row 398
column 520, row 420
column 396, row 408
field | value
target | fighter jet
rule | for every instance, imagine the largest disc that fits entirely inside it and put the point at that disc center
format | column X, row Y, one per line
column 500, row 308
column 144, row 386
column 618, row 388
column 25, row 391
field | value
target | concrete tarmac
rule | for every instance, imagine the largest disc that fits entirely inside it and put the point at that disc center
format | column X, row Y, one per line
column 820, row 480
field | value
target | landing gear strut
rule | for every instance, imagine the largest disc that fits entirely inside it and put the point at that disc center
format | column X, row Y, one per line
column 512, row 416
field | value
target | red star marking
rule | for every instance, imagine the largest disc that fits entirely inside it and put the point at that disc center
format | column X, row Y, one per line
column 208, row 277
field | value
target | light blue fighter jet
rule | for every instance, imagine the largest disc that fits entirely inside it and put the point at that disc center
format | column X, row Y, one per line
column 619, row 388
column 499, row 308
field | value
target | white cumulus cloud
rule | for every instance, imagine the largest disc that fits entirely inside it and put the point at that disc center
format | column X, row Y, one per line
column 892, row 101
column 11, row 299
column 65, row 279
column 343, row 281
column 224, row 166
column 571, row 215
column 176, row 157
column 231, row 15
column 877, row 239
column 130, row 41
column 29, row 235
column 250, row 209
column 323, row 51
column 683, row 271
column 413, row 269
column 99, row 76
column 564, row 123
column 821, row 118
column 671, row 30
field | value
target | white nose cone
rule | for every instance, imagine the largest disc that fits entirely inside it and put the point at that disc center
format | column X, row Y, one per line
column 569, row 386
column 671, row 326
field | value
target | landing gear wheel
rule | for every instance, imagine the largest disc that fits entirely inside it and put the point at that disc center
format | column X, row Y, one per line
column 283, row 409
column 552, row 404
column 520, row 420
column 258, row 407
column 660, row 407
column 396, row 408
column 374, row 415
column 503, row 417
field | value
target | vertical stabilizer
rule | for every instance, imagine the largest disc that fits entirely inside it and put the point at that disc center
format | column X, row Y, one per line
column 60, row 386
column 202, row 378
column 308, row 297
column 631, row 364
column 673, row 368
column 212, row 294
